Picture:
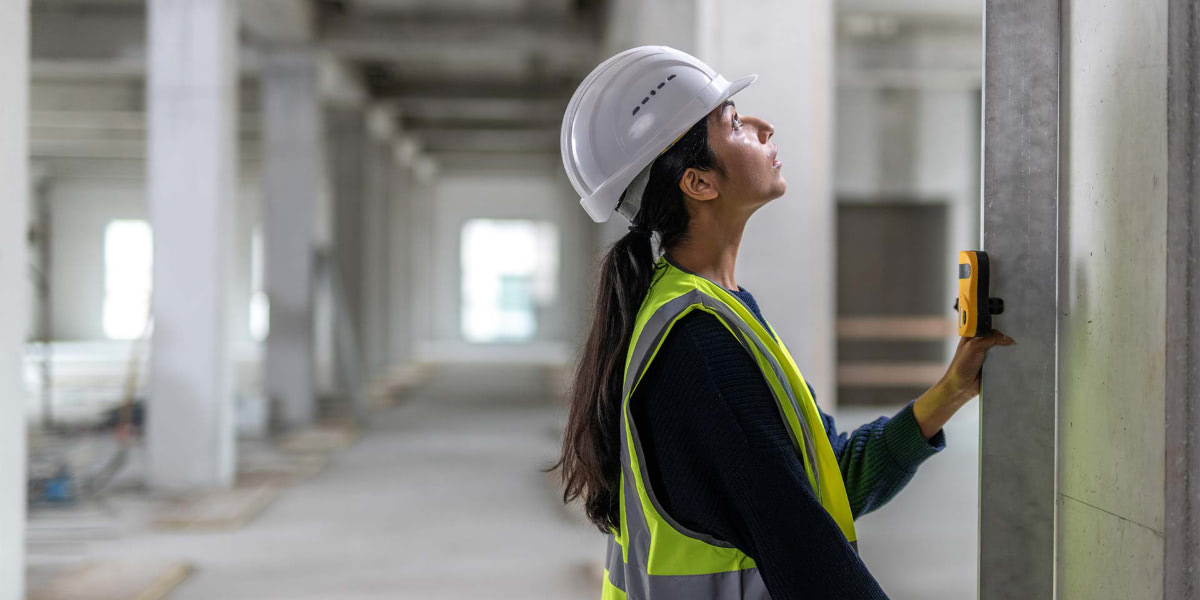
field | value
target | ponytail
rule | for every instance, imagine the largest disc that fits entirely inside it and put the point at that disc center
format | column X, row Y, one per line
column 591, row 451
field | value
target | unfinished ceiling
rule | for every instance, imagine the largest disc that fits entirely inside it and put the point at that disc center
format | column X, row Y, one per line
column 471, row 80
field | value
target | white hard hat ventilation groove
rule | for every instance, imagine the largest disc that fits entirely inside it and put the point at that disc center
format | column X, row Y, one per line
column 653, row 92
column 608, row 148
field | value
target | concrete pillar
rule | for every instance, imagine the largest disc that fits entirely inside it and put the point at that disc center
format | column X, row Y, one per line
column 420, row 250
column 400, row 272
column 347, row 133
column 787, row 255
column 1089, row 461
column 1113, row 301
column 347, row 128
column 292, row 183
column 191, row 174
column 673, row 23
column 375, row 230
column 14, row 162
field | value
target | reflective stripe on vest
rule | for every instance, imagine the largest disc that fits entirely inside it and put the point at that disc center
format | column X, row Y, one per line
column 653, row 556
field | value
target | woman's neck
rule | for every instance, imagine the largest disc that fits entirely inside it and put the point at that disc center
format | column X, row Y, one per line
column 710, row 248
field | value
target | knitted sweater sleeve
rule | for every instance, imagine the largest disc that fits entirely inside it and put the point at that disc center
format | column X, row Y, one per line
column 721, row 463
column 878, row 459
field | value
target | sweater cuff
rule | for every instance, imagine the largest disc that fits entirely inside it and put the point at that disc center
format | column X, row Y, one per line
column 903, row 439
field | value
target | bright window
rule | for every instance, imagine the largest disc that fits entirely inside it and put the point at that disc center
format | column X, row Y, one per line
column 260, row 309
column 509, row 270
column 128, row 250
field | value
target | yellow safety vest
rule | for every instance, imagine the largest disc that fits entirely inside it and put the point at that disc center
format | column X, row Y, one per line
column 653, row 557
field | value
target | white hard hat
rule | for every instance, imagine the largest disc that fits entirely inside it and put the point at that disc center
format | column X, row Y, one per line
column 629, row 110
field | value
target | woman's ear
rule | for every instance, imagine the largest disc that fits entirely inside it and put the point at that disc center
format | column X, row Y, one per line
column 698, row 185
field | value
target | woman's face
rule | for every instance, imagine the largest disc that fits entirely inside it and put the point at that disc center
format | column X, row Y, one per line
column 744, row 149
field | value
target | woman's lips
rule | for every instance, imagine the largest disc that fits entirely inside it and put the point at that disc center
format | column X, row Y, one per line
column 776, row 164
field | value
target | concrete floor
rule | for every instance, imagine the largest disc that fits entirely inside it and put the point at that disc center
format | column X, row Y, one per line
column 443, row 498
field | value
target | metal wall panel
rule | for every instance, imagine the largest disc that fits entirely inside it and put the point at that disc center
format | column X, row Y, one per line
column 1020, row 215
column 1182, row 560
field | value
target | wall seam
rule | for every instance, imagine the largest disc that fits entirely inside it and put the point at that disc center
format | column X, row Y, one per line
column 1109, row 512
column 1064, row 182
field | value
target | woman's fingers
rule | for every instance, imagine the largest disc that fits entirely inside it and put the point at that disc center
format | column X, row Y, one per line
column 999, row 339
column 994, row 338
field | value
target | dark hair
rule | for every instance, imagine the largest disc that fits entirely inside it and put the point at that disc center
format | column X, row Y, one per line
column 591, row 447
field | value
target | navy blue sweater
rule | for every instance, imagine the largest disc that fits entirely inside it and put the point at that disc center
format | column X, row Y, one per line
column 722, row 463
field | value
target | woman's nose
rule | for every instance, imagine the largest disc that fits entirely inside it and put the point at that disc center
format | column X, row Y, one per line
column 765, row 130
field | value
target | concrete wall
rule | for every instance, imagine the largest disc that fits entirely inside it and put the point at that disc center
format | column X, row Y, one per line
column 460, row 196
column 80, row 209
column 1112, row 274
column 79, row 212
column 907, row 121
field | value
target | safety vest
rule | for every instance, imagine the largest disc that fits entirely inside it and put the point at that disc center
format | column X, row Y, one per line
column 653, row 557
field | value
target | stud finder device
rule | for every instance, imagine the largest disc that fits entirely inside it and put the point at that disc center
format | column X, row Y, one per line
column 975, row 308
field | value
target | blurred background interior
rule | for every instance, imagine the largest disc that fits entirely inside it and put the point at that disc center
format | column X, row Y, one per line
column 307, row 280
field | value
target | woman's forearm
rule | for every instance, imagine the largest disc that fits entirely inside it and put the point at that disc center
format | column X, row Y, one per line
column 935, row 407
column 958, row 385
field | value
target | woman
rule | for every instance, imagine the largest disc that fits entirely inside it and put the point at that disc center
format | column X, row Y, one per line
column 692, row 438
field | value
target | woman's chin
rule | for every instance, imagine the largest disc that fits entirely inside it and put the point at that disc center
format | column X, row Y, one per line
column 781, row 187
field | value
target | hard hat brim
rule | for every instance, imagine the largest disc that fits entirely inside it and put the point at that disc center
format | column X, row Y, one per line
column 739, row 85
column 601, row 204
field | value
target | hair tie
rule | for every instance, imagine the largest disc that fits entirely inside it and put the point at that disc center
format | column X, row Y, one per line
column 646, row 233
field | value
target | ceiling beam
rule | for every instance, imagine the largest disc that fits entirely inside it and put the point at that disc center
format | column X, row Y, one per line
column 278, row 21
column 468, row 8
column 487, row 140
column 110, row 149
column 111, row 120
column 502, row 162
column 387, row 87
column 116, row 29
column 406, row 39
column 500, row 112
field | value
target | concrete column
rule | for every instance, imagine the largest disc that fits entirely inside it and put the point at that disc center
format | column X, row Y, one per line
column 400, row 272
column 292, row 182
column 1113, row 302
column 420, row 250
column 375, row 257
column 787, row 255
column 1090, row 215
column 375, row 230
column 347, row 132
column 191, row 174
column 14, row 163
column 348, row 136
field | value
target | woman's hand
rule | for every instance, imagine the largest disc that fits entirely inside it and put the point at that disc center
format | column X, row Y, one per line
column 958, row 385
column 962, row 377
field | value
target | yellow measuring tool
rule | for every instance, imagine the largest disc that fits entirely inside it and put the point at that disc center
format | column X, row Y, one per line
column 975, row 308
